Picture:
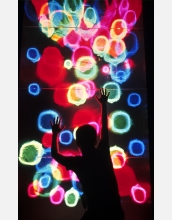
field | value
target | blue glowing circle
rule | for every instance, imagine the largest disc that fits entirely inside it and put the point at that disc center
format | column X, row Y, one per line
column 44, row 119
column 120, row 76
column 134, row 99
column 45, row 180
column 33, row 55
column 66, row 137
column 136, row 147
column 34, row 89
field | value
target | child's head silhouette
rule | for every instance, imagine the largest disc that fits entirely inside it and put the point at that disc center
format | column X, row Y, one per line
column 86, row 137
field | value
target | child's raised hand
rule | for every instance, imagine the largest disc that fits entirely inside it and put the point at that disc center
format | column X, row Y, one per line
column 103, row 96
column 55, row 125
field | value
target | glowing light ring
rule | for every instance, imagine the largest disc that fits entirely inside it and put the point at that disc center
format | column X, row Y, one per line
column 123, row 27
column 53, row 183
column 89, row 74
column 72, row 95
column 79, row 8
column 115, row 61
column 120, row 76
column 35, row 192
column 68, row 200
column 45, row 181
column 26, row 153
column 70, row 137
column 110, row 86
column 123, row 7
column 133, row 191
column 132, row 23
column 33, row 54
column 90, row 17
column 94, row 124
column 53, row 193
column 68, row 64
column 114, row 116
column 85, row 63
column 106, row 69
column 89, row 86
column 34, row 89
column 138, row 144
column 117, row 155
column 104, row 46
column 135, row 45
column 52, row 114
column 136, row 97
column 116, row 151
column 56, row 20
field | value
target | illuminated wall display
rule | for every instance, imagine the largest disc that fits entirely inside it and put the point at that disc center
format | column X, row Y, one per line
column 70, row 49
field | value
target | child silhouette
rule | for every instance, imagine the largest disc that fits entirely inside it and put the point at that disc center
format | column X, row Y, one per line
column 94, row 168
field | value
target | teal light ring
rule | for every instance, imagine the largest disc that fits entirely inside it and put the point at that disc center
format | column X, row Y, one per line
column 128, row 122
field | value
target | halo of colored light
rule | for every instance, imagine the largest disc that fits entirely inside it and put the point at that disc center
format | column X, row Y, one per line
column 44, row 119
column 90, row 17
column 115, row 91
column 120, row 122
column 66, row 137
column 106, row 69
column 34, row 89
column 136, row 147
column 89, row 86
column 79, row 97
column 45, row 180
column 101, row 45
column 68, row 64
column 117, row 153
column 130, row 18
column 33, row 54
column 85, row 63
column 57, row 195
column 71, row 197
column 51, row 184
column 31, row 153
column 118, row 29
column 134, row 190
column 134, row 99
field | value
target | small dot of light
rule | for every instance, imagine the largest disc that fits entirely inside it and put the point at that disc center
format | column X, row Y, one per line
column 68, row 64
column 105, row 69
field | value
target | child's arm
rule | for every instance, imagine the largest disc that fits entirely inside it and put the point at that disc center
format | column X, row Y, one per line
column 104, row 129
column 56, row 129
